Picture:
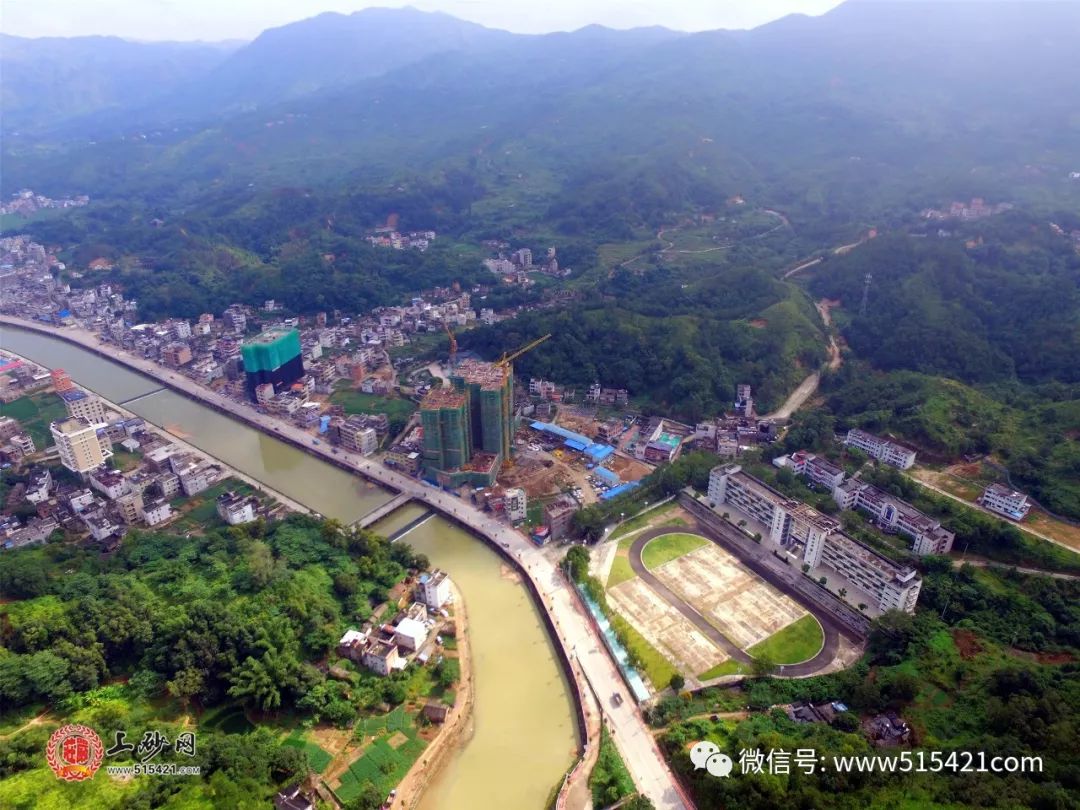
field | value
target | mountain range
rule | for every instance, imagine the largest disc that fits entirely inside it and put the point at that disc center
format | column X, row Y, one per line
column 383, row 91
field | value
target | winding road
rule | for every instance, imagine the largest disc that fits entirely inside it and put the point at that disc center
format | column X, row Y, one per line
column 812, row 666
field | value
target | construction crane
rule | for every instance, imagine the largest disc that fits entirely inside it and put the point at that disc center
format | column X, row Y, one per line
column 507, row 359
column 504, row 362
column 453, row 345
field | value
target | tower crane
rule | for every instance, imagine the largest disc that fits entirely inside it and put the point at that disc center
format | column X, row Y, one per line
column 453, row 345
column 507, row 359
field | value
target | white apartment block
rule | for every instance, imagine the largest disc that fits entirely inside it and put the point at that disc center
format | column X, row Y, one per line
column 819, row 470
column 1005, row 501
column 156, row 512
column 882, row 449
column 435, row 589
column 927, row 535
column 815, row 538
column 516, row 504
column 235, row 509
column 81, row 405
column 81, row 449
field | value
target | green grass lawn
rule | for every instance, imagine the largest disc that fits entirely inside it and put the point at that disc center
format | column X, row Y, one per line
column 642, row 520
column 395, row 408
column 35, row 412
column 653, row 664
column 668, row 547
column 797, row 642
column 729, row 667
column 620, row 571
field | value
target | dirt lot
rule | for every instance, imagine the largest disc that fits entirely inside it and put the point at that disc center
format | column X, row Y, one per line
column 741, row 605
column 629, row 469
column 665, row 628
column 537, row 480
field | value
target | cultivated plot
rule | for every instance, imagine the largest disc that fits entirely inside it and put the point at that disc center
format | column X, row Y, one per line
column 741, row 605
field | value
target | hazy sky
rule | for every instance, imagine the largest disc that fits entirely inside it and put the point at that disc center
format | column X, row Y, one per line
column 244, row 19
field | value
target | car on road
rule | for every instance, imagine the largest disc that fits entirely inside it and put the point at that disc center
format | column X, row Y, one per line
column 617, row 699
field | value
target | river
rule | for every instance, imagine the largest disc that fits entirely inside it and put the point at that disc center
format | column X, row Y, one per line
column 523, row 730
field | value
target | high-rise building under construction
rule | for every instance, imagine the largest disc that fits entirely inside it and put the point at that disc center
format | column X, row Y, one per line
column 444, row 414
column 469, row 428
column 490, row 389
column 272, row 357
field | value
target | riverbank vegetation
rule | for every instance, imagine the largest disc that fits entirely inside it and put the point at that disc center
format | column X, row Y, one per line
column 609, row 781
column 226, row 633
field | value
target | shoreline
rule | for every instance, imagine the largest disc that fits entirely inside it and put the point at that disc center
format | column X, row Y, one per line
column 164, row 432
column 456, row 730
column 559, row 609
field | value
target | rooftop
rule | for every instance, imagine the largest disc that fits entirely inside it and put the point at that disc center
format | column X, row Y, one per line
column 487, row 375
column 438, row 398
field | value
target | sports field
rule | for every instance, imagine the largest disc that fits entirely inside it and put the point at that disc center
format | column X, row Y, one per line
column 741, row 605
column 664, row 627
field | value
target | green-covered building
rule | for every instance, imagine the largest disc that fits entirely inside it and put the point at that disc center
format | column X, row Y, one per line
column 273, row 357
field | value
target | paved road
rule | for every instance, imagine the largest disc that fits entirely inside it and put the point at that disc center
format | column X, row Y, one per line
column 1024, row 527
column 819, row 662
column 574, row 632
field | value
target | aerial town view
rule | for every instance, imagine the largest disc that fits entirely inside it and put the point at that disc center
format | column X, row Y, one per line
column 540, row 405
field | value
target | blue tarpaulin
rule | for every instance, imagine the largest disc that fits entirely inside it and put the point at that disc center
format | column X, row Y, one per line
column 598, row 452
column 607, row 475
column 619, row 490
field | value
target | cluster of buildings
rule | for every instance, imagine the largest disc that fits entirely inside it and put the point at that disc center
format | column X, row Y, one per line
column 468, row 427
column 976, row 209
column 515, row 267
column 411, row 635
column 414, row 240
column 96, row 499
column 800, row 533
column 888, row 512
column 25, row 202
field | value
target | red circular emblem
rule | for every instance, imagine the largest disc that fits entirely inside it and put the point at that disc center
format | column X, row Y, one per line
column 74, row 752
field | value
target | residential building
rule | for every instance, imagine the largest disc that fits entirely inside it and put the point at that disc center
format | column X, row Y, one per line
column 516, row 504
column 883, row 450
column 80, row 500
column 197, row 477
column 8, row 428
column 82, row 405
column 558, row 514
column 410, row 634
column 80, row 448
column 101, row 526
column 236, row 509
column 176, row 354
column 109, row 483
column 37, row 485
column 435, row 588
column 381, row 658
column 356, row 434
column 744, row 401
column 1005, row 501
column 816, row 539
column 24, row 443
column 156, row 512
column 130, row 506
column 274, row 358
